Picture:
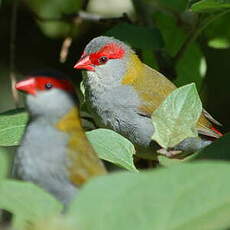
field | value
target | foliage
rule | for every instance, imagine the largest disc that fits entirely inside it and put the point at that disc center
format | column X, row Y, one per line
column 112, row 147
column 177, row 116
column 180, row 38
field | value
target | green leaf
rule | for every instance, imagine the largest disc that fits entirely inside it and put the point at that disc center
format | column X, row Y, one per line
column 210, row 5
column 218, row 34
column 174, row 37
column 4, row 163
column 178, row 5
column 113, row 147
column 12, row 125
column 180, row 197
column 218, row 150
column 193, row 57
column 137, row 36
column 27, row 202
column 219, row 43
column 168, row 162
column 176, row 117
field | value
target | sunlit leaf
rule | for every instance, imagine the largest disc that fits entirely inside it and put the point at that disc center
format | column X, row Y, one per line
column 113, row 147
column 219, row 43
column 12, row 125
column 177, row 116
column 210, row 5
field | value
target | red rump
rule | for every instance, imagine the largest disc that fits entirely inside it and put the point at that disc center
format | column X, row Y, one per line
column 217, row 131
column 111, row 51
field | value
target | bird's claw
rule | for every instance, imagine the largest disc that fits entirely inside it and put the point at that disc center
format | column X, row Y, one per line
column 169, row 153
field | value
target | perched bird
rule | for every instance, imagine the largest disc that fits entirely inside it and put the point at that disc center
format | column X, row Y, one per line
column 54, row 152
column 122, row 92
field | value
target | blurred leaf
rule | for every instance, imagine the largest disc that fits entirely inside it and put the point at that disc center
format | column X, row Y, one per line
column 54, row 9
column 218, row 34
column 27, row 202
column 149, row 58
column 176, row 117
column 178, row 5
column 219, row 43
column 168, row 162
column 173, row 35
column 4, row 163
column 54, row 29
column 191, row 67
column 137, row 36
column 12, row 125
column 113, row 147
column 218, row 150
column 111, row 8
column 210, row 5
column 180, row 197
column 56, row 223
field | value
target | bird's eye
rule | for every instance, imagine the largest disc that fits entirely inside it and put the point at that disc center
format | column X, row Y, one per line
column 103, row 60
column 48, row 86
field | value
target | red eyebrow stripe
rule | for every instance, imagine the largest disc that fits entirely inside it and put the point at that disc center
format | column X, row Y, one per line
column 110, row 50
column 57, row 83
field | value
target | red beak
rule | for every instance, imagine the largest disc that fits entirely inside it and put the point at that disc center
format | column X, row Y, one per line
column 84, row 63
column 27, row 86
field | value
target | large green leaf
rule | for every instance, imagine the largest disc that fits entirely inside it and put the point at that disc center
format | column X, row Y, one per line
column 176, row 117
column 210, row 5
column 12, row 125
column 113, row 147
column 137, row 36
column 27, row 202
column 180, row 197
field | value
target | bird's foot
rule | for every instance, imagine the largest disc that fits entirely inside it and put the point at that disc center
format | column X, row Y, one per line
column 170, row 153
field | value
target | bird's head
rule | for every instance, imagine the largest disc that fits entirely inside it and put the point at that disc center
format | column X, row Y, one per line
column 47, row 93
column 106, row 59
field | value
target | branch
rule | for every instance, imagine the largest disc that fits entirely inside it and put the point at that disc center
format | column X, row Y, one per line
column 12, row 75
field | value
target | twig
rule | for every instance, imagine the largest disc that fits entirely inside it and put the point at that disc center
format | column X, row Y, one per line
column 12, row 52
column 65, row 49
column 196, row 31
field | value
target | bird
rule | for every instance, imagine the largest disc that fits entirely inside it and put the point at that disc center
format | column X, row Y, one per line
column 54, row 152
column 122, row 92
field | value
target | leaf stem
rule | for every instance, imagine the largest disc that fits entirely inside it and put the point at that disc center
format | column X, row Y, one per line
column 195, row 32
